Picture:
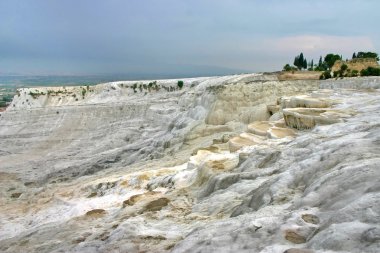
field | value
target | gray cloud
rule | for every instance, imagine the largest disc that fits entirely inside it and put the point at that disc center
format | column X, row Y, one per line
column 177, row 36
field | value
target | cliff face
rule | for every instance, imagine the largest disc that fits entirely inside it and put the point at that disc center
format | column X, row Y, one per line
column 66, row 132
column 238, row 163
column 356, row 64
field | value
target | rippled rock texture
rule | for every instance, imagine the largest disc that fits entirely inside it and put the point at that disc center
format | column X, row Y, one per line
column 241, row 163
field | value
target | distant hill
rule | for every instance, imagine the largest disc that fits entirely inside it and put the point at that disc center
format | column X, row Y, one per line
column 356, row 64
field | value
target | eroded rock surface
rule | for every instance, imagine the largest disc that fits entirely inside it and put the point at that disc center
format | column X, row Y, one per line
column 214, row 167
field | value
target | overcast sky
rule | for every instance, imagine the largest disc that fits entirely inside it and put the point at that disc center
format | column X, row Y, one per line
column 179, row 36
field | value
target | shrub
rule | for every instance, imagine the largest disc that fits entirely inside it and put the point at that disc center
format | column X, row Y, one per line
column 83, row 93
column 320, row 68
column 354, row 73
column 374, row 71
column 134, row 87
column 36, row 94
column 180, row 84
column 151, row 84
column 344, row 67
column 287, row 68
column 370, row 71
column 325, row 75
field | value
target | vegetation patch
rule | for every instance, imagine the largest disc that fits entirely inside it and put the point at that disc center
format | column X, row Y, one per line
column 36, row 94
column 370, row 71
column 83, row 92
column 180, row 84
column 332, row 65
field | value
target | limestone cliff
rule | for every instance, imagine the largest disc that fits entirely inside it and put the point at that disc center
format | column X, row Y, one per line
column 243, row 163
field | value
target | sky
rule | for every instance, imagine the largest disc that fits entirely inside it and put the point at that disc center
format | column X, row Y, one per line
column 179, row 37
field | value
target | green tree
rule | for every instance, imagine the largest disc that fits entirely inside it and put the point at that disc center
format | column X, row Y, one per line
column 367, row 55
column 322, row 66
column 302, row 61
column 311, row 65
column 354, row 56
column 296, row 61
column 299, row 61
column 330, row 60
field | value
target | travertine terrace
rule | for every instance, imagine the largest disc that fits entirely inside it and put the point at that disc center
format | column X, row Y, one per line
column 242, row 163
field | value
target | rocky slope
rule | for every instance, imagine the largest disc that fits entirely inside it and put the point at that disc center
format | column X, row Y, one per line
column 243, row 163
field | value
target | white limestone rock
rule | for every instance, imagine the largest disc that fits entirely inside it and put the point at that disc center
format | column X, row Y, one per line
column 151, row 171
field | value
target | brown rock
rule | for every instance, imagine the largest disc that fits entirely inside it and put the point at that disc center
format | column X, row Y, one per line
column 96, row 213
column 135, row 198
column 103, row 236
column 238, row 142
column 79, row 240
column 293, row 237
column 92, row 194
column 294, row 250
column 310, row 218
column 157, row 205
column 16, row 195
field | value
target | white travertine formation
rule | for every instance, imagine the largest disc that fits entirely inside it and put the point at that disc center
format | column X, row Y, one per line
column 120, row 167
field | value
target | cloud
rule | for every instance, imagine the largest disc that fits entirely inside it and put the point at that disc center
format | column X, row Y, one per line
column 321, row 44
column 93, row 36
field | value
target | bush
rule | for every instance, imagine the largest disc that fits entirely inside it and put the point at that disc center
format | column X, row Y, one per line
column 326, row 75
column 354, row 73
column 321, row 68
column 36, row 94
column 134, row 87
column 180, row 84
column 287, row 68
column 151, row 84
column 370, row 71
column 344, row 67
column 83, row 93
